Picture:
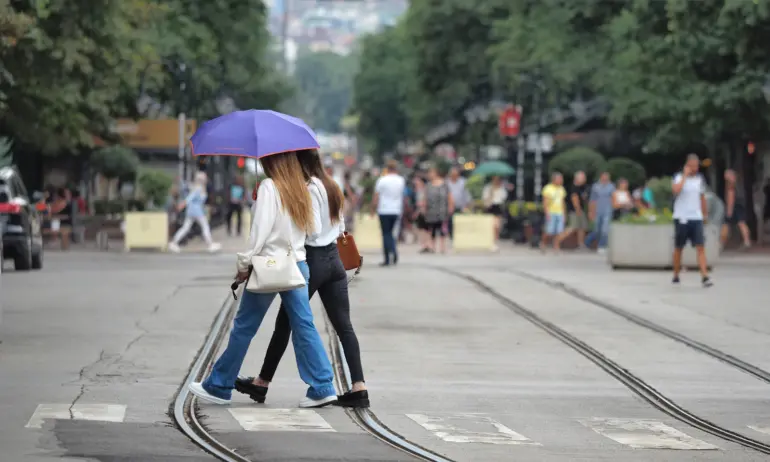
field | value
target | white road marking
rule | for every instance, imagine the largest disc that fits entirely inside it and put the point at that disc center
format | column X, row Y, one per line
column 100, row 412
column 645, row 434
column 281, row 420
column 475, row 429
column 760, row 429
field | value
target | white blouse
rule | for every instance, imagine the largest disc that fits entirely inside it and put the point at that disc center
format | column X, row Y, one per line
column 271, row 229
column 325, row 232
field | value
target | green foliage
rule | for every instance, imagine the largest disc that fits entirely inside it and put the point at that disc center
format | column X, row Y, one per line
column 661, row 192
column 475, row 186
column 155, row 185
column 621, row 167
column 324, row 83
column 452, row 68
column 115, row 162
column 380, row 90
column 578, row 159
column 68, row 68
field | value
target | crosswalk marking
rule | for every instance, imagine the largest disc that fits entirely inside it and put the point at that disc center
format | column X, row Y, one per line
column 286, row 420
column 760, row 429
column 101, row 412
column 476, row 429
column 645, row 434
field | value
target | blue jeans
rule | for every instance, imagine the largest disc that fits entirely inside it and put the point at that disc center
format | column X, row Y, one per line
column 555, row 224
column 601, row 230
column 312, row 362
column 388, row 225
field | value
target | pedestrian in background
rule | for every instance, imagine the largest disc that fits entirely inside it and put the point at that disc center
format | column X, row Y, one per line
column 577, row 209
column 494, row 196
column 195, row 211
column 352, row 200
column 554, row 197
column 328, row 278
column 460, row 196
column 438, row 208
column 735, row 214
column 600, row 211
column 690, row 213
column 283, row 218
column 388, row 202
column 622, row 202
column 235, row 206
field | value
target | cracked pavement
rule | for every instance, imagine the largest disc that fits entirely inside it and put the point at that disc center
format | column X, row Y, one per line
column 102, row 328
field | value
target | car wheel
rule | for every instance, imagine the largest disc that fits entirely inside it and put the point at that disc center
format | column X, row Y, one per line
column 37, row 259
column 23, row 260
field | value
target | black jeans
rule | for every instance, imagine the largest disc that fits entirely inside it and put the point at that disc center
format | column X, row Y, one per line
column 237, row 210
column 328, row 278
column 388, row 225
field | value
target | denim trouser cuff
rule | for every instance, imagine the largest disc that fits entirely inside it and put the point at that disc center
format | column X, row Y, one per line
column 318, row 393
column 219, row 392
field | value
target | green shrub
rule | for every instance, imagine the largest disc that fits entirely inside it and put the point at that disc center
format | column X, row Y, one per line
column 155, row 185
column 475, row 186
column 622, row 167
column 578, row 159
column 661, row 192
column 115, row 162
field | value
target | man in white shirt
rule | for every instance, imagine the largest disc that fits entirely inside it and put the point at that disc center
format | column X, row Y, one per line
column 388, row 201
column 690, row 212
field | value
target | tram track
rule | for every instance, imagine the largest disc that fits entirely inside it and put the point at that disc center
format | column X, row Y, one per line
column 635, row 384
column 185, row 416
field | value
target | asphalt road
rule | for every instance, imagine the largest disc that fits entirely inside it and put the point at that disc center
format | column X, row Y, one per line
column 95, row 346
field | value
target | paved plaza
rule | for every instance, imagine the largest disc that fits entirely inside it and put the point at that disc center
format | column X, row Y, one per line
column 95, row 347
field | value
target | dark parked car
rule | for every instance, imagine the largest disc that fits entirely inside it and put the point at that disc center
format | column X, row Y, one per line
column 20, row 223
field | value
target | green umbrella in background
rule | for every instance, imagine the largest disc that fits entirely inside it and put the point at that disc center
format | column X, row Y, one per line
column 494, row 168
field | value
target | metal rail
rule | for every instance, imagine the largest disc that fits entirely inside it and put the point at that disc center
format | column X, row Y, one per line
column 632, row 382
column 743, row 366
column 183, row 410
column 365, row 418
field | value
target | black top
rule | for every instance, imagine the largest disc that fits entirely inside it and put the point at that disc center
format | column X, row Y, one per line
column 583, row 192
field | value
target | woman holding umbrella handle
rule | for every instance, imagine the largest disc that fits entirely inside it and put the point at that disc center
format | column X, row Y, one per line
column 283, row 216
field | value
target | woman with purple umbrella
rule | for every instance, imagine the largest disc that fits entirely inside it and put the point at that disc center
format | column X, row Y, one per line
column 283, row 216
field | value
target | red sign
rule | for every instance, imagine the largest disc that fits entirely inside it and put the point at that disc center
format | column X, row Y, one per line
column 510, row 122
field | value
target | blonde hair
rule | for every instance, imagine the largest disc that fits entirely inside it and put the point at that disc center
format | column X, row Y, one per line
column 200, row 181
column 286, row 172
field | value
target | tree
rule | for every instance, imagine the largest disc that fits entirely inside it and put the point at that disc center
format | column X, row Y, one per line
column 324, row 82
column 688, row 74
column 69, row 68
column 115, row 162
column 380, row 90
column 450, row 40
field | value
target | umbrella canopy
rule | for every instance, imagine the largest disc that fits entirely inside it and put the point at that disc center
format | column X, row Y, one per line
column 494, row 168
column 253, row 133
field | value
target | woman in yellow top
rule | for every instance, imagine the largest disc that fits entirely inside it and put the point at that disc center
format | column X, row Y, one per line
column 554, row 196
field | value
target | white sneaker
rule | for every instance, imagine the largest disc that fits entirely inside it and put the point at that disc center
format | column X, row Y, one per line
column 173, row 247
column 601, row 250
column 321, row 402
column 215, row 247
column 196, row 388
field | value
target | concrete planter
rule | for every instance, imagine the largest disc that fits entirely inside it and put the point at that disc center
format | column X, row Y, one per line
column 146, row 230
column 651, row 246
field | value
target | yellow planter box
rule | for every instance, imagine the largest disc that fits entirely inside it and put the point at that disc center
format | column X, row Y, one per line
column 146, row 230
column 367, row 232
column 474, row 232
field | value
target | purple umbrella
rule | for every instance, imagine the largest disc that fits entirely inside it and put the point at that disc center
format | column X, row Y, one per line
column 253, row 133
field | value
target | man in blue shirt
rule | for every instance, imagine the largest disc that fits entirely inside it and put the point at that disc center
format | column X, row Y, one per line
column 600, row 211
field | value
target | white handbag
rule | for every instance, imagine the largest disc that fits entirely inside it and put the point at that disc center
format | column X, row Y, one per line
column 276, row 273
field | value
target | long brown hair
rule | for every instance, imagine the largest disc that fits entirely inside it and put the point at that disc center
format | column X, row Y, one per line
column 311, row 164
column 286, row 172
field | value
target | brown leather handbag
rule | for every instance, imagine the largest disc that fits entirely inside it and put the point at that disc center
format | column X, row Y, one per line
column 348, row 250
